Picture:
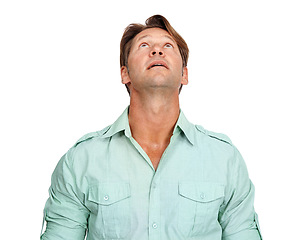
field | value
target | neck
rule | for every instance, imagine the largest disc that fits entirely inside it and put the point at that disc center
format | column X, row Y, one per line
column 152, row 118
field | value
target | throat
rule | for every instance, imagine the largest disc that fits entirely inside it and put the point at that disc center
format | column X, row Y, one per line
column 154, row 152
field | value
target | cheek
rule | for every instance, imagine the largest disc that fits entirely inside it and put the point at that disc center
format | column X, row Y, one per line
column 179, row 65
column 135, row 61
column 177, row 59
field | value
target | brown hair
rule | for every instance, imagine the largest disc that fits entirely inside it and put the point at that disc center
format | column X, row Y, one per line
column 156, row 21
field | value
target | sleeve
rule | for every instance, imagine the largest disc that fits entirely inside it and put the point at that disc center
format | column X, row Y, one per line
column 237, row 216
column 65, row 214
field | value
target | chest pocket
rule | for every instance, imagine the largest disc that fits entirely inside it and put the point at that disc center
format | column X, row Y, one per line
column 110, row 210
column 199, row 204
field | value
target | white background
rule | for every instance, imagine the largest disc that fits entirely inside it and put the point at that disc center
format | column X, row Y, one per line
column 59, row 72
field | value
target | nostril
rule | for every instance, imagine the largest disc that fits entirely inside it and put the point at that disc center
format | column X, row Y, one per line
column 153, row 53
column 160, row 53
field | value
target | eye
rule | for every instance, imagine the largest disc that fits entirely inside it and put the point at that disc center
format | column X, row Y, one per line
column 142, row 45
column 168, row 45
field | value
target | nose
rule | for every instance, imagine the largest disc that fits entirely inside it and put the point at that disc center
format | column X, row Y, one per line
column 157, row 51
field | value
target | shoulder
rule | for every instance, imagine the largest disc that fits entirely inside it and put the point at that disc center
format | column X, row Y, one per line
column 214, row 135
column 219, row 144
column 85, row 146
column 92, row 135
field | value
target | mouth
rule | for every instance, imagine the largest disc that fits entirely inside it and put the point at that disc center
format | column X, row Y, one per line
column 158, row 64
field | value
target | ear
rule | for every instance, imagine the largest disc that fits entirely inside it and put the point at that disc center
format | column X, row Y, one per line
column 124, row 75
column 185, row 76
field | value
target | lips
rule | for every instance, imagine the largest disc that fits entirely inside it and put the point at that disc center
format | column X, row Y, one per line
column 157, row 64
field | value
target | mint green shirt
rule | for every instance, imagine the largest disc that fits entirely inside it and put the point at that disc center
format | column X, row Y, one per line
column 105, row 187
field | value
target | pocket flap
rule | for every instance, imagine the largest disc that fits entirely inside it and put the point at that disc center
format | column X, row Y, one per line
column 109, row 193
column 201, row 191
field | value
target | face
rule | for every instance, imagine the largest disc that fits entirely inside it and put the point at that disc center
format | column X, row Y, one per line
column 154, row 62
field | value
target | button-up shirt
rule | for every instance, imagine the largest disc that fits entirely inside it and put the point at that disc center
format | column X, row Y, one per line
column 105, row 187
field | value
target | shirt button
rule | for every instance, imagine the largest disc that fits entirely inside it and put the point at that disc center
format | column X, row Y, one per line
column 202, row 196
column 154, row 225
column 106, row 198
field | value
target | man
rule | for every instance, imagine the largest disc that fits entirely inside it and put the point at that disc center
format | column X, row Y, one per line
column 152, row 174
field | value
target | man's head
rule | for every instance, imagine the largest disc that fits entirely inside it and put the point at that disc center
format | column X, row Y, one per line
column 156, row 21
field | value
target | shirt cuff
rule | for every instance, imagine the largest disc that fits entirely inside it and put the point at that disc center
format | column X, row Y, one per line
column 57, row 232
column 251, row 234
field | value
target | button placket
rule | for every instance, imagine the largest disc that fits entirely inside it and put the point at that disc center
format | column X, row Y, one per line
column 154, row 208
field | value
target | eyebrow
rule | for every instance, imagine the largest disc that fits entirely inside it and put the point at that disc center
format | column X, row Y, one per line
column 165, row 36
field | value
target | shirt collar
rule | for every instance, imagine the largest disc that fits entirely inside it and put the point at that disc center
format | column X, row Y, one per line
column 119, row 125
column 186, row 127
column 122, row 124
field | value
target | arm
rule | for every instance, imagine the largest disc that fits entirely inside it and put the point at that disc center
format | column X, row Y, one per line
column 237, row 216
column 64, row 212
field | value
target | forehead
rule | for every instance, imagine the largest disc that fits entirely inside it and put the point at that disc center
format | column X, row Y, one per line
column 153, row 33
